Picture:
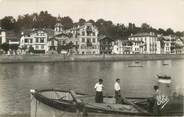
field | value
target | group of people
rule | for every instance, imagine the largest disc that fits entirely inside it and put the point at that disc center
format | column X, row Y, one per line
column 99, row 87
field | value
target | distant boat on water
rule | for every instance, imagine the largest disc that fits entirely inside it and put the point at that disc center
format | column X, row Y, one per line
column 164, row 79
column 135, row 66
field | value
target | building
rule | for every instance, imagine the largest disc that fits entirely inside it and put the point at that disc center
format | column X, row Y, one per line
column 36, row 39
column 105, row 45
column 145, row 43
column 165, row 44
column 122, row 47
column 87, row 39
column 117, row 47
column 2, row 36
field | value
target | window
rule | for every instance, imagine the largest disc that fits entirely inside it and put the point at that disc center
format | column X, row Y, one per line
column 88, row 33
column 93, row 52
column 41, row 40
column 26, row 40
column 94, row 40
column 83, row 39
column 93, row 33
column 82, row 52
column 37, row 47
column 83, row 33
column 31, row 41
column 42, row 46
column 37, row 40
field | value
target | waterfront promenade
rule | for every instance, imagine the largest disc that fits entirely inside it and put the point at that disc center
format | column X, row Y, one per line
column 75, row 58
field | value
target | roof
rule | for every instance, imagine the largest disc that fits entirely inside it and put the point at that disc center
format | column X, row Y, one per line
column 102, row 37
column 143, row 35
column 49, row 31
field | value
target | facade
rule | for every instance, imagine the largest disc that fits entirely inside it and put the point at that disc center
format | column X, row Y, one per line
column 118, row 47
column 122, row 47
column 79, row 40
column 87, row 37
column 2, row 36
column 36, row 39
column 166, row 42
column 145, row 43
column 105, row 45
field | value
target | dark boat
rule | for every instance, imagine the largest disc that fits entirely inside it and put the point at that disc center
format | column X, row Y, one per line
column 71, row 102
column 135, row 66
column 164, row 79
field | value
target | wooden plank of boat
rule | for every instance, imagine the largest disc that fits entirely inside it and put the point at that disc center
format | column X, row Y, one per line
column 118, row 108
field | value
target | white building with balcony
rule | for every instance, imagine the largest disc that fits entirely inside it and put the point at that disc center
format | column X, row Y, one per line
column 146, row 43
column 87, row 36
column 36, row 39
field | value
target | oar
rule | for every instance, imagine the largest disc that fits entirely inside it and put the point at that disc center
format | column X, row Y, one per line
column 79, row 103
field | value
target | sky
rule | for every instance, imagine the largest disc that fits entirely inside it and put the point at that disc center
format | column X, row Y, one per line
column 157, row 13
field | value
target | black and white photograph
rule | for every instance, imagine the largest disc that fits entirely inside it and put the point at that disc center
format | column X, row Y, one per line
column 91, row 58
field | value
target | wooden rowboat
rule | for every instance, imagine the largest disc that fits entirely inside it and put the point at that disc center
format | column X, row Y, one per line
column 71, row 102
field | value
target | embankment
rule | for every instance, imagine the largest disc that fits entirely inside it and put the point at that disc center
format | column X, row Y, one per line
column 64, row 58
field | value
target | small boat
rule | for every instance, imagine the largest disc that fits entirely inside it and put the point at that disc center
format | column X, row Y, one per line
column 71, row 101
column 165, row 64
column 135, row 66
column 137, row 61
column 164, row 79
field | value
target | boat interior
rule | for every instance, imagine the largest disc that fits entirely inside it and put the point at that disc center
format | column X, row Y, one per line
column 108, row 104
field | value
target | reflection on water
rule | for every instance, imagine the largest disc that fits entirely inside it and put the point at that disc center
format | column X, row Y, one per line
column 17, row 79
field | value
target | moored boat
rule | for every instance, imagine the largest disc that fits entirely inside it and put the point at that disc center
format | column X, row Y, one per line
column 71, row 102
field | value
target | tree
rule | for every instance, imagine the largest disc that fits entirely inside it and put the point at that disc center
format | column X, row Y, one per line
column 81, row 21
column 169, row 31
column 145, row 27
column 91, row 21
column 8, row 22
column 67, row 22
column 14, row 46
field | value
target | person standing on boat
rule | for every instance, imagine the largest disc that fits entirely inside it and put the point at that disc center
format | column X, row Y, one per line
column 153, row 101
column 99, row 91
column 117, row 91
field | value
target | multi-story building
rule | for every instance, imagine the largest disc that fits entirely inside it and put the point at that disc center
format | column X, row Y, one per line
column 83, row 38
column 36, row 39
column 2, row 36
column 122, row 47
column 146, row 43
column 88, row 42
column 165, row 42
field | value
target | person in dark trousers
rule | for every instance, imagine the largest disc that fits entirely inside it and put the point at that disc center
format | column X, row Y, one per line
column 117, row 91
column 99, row 91
column 153, row 106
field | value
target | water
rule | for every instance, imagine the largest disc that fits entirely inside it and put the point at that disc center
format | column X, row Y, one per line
column 17, row 79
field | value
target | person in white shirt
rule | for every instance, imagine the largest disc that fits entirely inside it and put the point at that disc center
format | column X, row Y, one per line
column 117, row 91
column 99, row 91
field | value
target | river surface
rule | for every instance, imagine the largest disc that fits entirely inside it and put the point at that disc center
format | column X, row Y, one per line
column 16, row 80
